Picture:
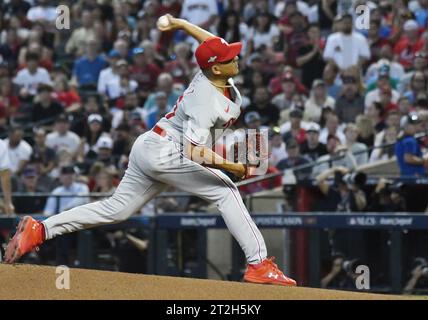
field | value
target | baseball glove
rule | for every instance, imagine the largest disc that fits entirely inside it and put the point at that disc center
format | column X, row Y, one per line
column 251, row 152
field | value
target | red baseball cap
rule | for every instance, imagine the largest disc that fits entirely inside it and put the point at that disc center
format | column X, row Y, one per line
column 214, row 50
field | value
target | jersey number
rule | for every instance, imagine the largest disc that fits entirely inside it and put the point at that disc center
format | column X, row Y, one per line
column 172, row 113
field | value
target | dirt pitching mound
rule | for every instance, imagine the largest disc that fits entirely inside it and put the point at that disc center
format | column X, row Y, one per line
column 39, row 282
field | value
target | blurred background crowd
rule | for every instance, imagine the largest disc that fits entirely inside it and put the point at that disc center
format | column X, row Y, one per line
column 333, row 97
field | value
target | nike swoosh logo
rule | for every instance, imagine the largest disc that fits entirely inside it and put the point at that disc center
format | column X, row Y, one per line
column 227, row 109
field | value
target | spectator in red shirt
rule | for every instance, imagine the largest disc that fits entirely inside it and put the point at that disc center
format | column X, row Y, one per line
column 408, row 45
column 144, row 72
column 70, row 99
column 276, row 85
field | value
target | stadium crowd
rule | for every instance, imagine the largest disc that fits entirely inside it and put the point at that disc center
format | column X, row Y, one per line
column 72, row 101
column 333, row 94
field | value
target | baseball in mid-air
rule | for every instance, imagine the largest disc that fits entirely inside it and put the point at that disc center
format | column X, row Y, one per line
column 163, row 21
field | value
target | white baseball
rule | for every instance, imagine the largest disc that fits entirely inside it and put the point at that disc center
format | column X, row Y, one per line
column 163, row 21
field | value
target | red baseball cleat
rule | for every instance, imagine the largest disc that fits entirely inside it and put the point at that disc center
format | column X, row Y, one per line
column 28, row 236
column 267, row 272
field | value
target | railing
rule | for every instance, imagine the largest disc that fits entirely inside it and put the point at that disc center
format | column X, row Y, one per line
column 371, row 181
column 339, row 156
column 159, row 226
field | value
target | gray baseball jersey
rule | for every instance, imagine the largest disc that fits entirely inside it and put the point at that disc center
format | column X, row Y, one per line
column 202, row 112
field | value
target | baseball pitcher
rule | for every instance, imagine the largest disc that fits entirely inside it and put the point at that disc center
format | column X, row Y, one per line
column 177, row 152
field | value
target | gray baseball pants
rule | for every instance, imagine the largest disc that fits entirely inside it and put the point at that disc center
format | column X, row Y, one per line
column 154, row 163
